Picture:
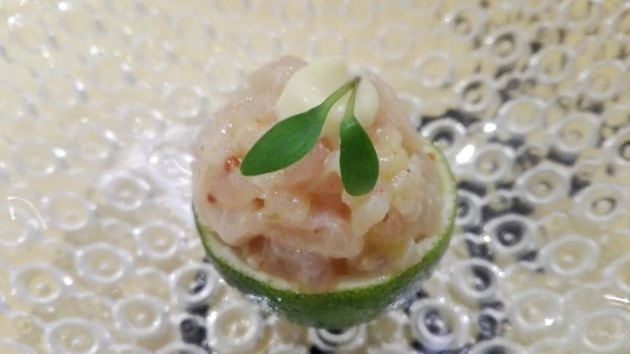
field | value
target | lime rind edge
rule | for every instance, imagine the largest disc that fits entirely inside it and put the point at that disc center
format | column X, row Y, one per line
column 291, row 302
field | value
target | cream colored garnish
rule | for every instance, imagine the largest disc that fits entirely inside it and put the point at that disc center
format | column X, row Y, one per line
column 312, row 84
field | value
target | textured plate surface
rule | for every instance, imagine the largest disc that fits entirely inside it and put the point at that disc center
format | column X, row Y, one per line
column 100, row 102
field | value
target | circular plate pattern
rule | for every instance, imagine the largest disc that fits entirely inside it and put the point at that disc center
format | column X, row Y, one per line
column 100, row 102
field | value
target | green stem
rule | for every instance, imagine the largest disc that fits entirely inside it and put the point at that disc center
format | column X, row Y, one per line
column 349, row 113
column 338, row 94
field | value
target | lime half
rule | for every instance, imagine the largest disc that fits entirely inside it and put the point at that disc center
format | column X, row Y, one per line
column 350, row 302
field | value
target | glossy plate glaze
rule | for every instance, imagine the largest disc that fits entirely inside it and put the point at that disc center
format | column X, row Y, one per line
column 100, row 102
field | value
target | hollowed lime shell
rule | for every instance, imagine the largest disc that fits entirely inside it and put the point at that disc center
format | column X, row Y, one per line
column 349, row 303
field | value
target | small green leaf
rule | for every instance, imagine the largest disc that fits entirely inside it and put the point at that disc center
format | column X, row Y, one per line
column 290, row 139
column 358, row 161
column 284, row 144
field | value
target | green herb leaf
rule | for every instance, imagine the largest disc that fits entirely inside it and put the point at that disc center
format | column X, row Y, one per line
column 290, row 139
column 358, row 161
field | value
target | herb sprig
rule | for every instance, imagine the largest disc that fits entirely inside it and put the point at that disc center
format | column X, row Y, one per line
column 358, row 161
column 291, row 139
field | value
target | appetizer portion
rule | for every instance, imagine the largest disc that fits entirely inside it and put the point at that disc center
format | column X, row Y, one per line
column 312, row 189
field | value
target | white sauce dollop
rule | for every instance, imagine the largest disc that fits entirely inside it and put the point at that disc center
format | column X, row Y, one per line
column 311, row 85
